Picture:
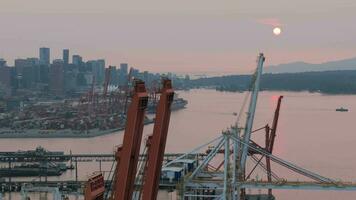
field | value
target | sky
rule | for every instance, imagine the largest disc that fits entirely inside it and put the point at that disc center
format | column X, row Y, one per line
column 217, row 36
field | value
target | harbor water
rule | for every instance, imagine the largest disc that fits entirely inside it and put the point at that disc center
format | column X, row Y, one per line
column 310, row 134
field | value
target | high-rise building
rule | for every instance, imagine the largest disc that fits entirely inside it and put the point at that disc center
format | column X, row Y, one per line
column 44, row 74
column 56, row 79
column 66, row 56
column 44, row 56
column 135, row 73
column 7, row 76
column 124, row 68
column 97, row 68
column 27, row 71
column 2, row 62
column 77, row 60
column 123, row 74
column 58, row 61
column 114, row 75
column 101, row 71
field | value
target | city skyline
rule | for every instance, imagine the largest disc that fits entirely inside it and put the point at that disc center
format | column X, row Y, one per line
column 161, row 36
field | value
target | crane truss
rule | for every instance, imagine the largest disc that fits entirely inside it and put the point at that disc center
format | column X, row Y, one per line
column 234, row 148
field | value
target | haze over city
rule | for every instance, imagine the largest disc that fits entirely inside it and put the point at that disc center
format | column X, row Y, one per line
column 177, row 99
column 181, row 36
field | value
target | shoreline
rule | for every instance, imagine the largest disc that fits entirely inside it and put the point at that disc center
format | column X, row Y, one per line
column 66, row 133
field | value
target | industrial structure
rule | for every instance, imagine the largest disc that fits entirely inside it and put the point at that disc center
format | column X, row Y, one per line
column 127, row 155
column 95, row 113
column 221, row 173
column 224, row 174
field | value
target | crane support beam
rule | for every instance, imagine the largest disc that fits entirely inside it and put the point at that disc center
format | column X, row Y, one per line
column 270, row 138
column 287, row 164
column 274, row 125
column 280, row 185
column 299, row 186
column 131, row 144
column 159, row 138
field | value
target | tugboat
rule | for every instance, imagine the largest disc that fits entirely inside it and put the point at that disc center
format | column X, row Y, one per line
column 342, row 109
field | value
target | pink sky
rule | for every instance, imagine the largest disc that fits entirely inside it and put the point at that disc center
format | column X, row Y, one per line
column 181, row 36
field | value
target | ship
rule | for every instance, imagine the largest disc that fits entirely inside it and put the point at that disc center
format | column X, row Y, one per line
column 177, row 104
column 26, row 169
column 39, row 151
column 30, row 170
column 342, row 109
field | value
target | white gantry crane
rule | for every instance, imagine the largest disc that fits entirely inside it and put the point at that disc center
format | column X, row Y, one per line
column 223, row 173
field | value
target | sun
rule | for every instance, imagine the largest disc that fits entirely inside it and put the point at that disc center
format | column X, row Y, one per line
column 277, row 31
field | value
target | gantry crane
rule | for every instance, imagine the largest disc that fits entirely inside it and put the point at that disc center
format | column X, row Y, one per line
column 95, row 187
column 158, row 142
column 124, row 186
column 232, row 181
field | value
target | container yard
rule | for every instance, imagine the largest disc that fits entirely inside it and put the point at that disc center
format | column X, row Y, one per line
column 95, row 113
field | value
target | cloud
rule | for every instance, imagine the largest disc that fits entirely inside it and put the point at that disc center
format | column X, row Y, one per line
column 270, row 21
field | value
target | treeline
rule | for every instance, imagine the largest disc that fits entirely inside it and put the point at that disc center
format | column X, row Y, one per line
column 331, row 82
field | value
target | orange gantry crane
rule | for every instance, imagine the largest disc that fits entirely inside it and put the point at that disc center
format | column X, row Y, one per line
column 127, row 155
column 126, row 173
column 95, row 187
column 158, row 142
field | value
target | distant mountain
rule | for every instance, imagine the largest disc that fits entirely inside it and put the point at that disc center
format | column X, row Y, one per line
column 347, row 64
column 328, row 82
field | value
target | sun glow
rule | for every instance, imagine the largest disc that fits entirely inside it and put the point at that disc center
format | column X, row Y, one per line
column 277, row 31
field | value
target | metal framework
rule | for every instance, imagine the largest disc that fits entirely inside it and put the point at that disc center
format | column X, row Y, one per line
column 28, row 188
column 234, row 147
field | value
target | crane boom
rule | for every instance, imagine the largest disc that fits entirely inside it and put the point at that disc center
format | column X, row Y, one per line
column 270, row 141
column 131, row 143
column 275, row 123
column 251, row 112
column 159, row 138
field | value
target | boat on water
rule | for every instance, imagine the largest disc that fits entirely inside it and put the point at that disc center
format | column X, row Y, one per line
column 29, row 170
column 39, row 151
column 342, row 109
column 25, row 168
column 177, row 104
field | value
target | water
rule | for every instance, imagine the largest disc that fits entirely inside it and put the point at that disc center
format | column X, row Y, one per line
column 310, row 134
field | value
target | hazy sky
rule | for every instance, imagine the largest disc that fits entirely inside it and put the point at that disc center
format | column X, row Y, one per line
column 181, row 35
